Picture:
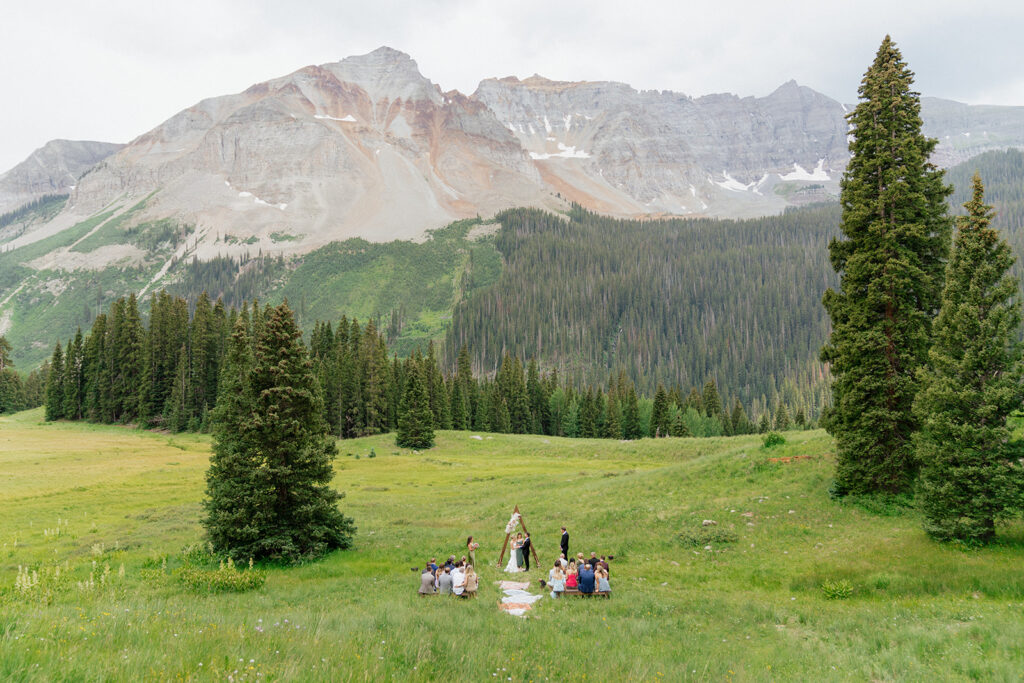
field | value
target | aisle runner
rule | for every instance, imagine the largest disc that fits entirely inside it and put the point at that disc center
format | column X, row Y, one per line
column 517, row 600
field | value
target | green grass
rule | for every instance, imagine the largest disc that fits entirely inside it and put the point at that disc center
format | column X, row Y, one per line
column 367, row 280
column 753, row 607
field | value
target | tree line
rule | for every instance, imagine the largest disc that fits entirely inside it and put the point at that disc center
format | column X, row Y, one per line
column 167, row 374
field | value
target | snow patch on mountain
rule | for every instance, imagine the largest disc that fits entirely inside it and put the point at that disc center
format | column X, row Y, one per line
column 800, row 173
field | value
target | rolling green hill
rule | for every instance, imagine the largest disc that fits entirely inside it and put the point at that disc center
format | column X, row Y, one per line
column 786, row 585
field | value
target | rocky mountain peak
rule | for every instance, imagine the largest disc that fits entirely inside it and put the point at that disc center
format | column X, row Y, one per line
column 54, row 168
column 386, row 74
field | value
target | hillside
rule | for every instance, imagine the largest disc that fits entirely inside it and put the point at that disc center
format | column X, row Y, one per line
column 746, row 599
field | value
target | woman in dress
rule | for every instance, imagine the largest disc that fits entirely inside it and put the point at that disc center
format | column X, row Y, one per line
column 471, row 548
column 556, row 577
column 570, row 576
column 602, row 580
column 518, row 545
column 513, row 562
column 472, row 582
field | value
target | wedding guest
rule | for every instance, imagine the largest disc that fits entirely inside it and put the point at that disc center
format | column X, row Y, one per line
column 433, row 565
column 602, row 580
column 604, row 565
column 565, row 562
column 459, row 580
column 451, row 562
column 472, row 582
column 427, row 582
column 445, row 581
column 556, row 577
column 580, row 561
column 571, row 580
column 593, row 560
column 471, row 547
column 586, row 579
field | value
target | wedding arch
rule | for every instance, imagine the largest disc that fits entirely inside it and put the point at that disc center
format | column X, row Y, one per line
column 510, row 528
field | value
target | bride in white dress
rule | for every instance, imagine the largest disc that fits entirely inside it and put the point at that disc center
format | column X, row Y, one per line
column 513, row 564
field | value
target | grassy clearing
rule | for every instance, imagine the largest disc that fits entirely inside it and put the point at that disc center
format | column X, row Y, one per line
column 752, row 607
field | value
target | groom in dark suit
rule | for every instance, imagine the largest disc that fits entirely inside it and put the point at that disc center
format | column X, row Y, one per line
column 526, row 551
column 565, row 543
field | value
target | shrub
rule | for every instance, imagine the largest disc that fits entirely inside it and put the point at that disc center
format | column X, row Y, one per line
column 707, row 536
column 773, row 439
column 227, row 578
column 840, row 589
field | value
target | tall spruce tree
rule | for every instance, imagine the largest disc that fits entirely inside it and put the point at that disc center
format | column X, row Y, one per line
column 970, row 467
column 660, row 420
column 55, row 385
column 891, row 258
column 268, row 487
column 415, row 418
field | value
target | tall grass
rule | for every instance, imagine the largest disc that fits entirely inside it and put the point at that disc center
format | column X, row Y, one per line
column 752, row 602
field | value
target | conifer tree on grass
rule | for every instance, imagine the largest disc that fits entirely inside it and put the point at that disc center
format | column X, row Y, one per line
column 55, row 385
column 268, row 486
column 891, row 260
column 415, row 418
column 970, row 474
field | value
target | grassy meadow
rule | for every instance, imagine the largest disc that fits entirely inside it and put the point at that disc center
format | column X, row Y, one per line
column 801, row 588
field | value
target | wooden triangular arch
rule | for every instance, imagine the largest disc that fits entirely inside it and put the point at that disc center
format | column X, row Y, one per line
column 509, row 535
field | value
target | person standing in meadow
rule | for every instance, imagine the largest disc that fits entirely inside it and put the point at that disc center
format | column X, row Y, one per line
column 471, row 549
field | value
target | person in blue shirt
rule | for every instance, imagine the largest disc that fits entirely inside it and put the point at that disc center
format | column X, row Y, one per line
column 586, row 579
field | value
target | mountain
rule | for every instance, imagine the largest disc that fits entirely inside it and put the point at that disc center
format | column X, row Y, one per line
column 369, row 147
column 615, row 150
column 330, row 186
column 54, row 168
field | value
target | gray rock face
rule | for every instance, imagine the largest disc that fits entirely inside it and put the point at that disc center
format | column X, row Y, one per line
column 54, row 168
column 964, row 130
column 369, row 147
column 662, row 152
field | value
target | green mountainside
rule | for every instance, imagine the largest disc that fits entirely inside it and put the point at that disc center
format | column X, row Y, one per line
column 674, row 301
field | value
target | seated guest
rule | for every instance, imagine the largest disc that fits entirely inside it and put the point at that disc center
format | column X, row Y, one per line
column 556, row 577
column 427, row 582
column 458, row 580
column 433, row 565
column 445, row 580
column 586, row 579
column 570, row 576
column 472, row 582
column 602, row 580
column 450, row 563
column 593, row 560
column 604, row 565
column 565, row 562
column 580, row 561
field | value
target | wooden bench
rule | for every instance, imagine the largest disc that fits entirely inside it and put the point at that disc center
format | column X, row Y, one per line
column 575, row 592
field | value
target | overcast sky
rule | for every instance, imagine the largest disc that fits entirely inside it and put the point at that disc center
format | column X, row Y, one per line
column 112, row 69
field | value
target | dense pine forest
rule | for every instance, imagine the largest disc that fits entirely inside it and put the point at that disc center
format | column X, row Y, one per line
column 675, row 302
column 168, row 374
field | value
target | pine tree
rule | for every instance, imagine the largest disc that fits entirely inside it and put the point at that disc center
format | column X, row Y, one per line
column 659, row 413
column 764, row 424
column 55, row 386
column 415, row 419
column 970, row 467
column 540, row 411
column 631, row 416
column 740, row 423
column 895, row 232
column 178, row 405
column 781, row 417
column 268, row 487
column 73, row 387
column 5, row 353
column 712, row 401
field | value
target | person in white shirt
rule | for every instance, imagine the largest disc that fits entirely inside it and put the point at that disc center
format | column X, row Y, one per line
column 459, row 580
